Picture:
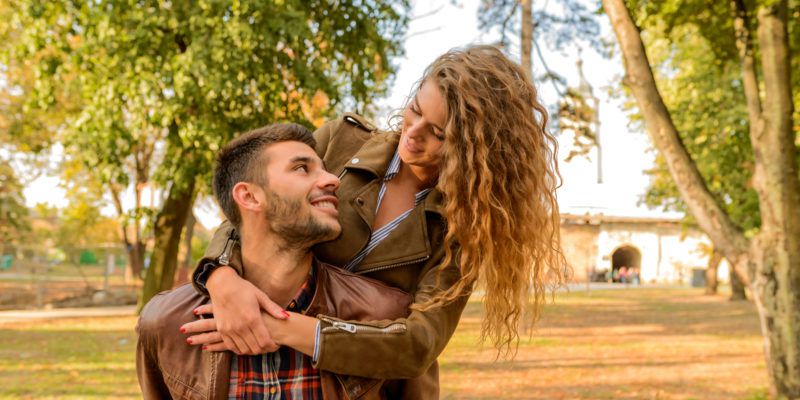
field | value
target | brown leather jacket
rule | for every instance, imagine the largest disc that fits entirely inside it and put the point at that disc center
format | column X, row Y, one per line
column 408, row 259
column 169, row 368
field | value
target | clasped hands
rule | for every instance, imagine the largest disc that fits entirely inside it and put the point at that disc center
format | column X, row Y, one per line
column 238, row 323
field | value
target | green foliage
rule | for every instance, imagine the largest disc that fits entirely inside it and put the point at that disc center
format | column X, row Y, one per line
column 87, row 258
column 699, row 74
column 568, row 22
column 186, row 76
column 152, row 89
column 13, row 213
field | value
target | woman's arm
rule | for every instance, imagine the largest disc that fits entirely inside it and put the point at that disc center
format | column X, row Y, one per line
column 398, row 349
column 387, row 349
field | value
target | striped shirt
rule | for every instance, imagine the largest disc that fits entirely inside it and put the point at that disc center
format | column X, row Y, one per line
column 381, row 233
column 281, row 375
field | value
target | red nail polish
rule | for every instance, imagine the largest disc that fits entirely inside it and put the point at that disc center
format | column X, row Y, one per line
column 205, row 347
column 195, row 312
column 183, row 330
column 286, row 314
column 189, row 340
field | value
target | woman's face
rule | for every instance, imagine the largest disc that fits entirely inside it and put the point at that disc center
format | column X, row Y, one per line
column 422, row 136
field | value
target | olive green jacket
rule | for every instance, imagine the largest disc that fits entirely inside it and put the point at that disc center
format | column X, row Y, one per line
column 408, row 259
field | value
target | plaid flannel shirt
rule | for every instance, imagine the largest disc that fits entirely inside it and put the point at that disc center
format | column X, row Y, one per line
column 284, row 374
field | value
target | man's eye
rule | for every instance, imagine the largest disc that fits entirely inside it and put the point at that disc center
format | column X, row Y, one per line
column 302, row 167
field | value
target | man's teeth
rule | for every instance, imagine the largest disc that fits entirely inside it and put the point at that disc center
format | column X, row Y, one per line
column 324, row 204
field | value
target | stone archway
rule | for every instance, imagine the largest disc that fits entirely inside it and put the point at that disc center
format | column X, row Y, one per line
column 626, row 256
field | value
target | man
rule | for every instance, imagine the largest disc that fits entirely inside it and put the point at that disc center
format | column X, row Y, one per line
column 273, row 187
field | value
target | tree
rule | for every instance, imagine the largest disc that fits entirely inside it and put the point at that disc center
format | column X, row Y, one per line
column 163, row 85
column 568, row 23
column 770, row 258
column 13, row 213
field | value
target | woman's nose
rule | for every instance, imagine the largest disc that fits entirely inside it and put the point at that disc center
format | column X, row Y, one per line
column 416, row 131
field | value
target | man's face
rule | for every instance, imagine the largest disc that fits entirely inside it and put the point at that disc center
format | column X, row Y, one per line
column 300, row 200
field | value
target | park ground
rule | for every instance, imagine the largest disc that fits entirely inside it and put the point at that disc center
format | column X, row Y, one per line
column 636, row 343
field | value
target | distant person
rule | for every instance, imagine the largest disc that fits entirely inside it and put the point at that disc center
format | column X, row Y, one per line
column 623, row 274
column 273, row 187
column 634, row 274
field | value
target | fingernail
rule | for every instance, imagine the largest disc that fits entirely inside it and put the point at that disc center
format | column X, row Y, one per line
column 285, row 314
column 195, row 312
column 189, row 340
column 205, row 347
column 183, row 330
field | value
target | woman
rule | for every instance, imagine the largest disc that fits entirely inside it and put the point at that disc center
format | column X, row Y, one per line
column 464, row 195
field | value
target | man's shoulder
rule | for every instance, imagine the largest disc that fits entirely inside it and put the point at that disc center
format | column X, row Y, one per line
column 170, row 309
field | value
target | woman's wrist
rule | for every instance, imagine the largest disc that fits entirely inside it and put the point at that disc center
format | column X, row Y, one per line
column 219, row 276
column 298, row 331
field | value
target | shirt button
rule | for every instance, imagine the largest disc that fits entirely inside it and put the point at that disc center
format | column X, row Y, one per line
column 272, row 390
column 360, row 201
column 355, row 161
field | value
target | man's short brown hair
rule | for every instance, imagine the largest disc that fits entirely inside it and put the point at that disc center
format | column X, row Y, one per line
column 243, row 160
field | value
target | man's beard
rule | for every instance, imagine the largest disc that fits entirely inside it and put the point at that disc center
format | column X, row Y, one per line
column 294, row 231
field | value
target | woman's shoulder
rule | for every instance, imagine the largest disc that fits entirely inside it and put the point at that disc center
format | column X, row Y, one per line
column 345, row 136
column 347, row 127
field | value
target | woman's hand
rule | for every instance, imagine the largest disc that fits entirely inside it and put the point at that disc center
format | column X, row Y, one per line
column 203, row 332
column 237, row 313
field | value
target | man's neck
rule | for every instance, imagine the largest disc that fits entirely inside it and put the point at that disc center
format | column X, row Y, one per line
column 275, row 270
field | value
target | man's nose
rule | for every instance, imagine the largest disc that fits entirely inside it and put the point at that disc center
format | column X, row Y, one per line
column 329, row 181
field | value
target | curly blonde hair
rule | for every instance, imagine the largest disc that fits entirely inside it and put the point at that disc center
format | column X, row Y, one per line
column 499, row 178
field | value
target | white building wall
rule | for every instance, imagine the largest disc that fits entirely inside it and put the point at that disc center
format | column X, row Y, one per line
column 668, row 255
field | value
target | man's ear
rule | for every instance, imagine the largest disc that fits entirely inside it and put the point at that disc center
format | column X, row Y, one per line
column 248, row 196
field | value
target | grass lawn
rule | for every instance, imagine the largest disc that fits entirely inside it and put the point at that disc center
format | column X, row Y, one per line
column 617, row 344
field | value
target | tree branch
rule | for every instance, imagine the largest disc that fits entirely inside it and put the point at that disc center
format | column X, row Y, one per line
column 744, row 42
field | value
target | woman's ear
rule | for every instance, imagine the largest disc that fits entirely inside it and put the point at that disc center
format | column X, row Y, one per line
column 248, row 196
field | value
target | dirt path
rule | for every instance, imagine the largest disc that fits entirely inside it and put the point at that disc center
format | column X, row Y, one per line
column 7, row 317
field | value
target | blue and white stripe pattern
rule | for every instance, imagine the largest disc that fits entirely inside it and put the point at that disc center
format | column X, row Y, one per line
column 384, row 231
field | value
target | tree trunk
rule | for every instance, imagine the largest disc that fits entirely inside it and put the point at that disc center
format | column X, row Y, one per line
column 711, row 272
column 182, row 276
column 737, row 287
column 136, row 249
column 526, row 37
column 771, row 260
column 776, row 287
column 168, row 227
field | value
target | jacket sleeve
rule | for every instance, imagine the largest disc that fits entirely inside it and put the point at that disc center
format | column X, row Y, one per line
column 399, row 349
column 223, row 247
column 151, row 380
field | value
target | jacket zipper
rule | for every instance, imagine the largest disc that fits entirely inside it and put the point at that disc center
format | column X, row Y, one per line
column 392, row 265
column 394, row 327
column 225, row 257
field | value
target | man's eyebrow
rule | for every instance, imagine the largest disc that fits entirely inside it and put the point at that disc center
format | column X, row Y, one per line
column 302, row 159
column 416, row 103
